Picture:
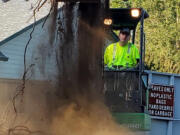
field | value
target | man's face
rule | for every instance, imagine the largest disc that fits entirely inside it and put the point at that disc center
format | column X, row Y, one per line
column 124, row 37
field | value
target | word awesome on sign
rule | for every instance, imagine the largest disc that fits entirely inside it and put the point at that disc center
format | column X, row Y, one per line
column 161, row 101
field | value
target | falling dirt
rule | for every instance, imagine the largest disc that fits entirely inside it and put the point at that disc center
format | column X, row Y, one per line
column 70, row 100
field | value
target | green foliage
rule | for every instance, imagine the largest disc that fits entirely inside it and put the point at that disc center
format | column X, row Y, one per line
column 162, row 30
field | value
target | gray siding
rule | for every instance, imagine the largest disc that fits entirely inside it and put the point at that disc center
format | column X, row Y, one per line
column 14, row 47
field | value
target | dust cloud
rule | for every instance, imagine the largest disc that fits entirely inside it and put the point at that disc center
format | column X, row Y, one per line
column 68, row 99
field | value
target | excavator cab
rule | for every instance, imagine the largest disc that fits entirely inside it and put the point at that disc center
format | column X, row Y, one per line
column 124, row 89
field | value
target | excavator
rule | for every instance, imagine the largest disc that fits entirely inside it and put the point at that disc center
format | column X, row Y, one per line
column 143, row 100
column 125, row 91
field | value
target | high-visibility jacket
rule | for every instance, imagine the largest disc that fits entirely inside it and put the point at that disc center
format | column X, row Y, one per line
column 125, row 56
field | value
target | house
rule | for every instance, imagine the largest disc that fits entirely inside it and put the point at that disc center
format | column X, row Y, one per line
column 16, row 15
column 12, row 48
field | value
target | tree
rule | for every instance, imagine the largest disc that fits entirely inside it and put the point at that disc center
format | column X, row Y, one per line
column 162, row 32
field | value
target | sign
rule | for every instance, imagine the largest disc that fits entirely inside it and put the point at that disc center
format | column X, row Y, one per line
column 161, row 101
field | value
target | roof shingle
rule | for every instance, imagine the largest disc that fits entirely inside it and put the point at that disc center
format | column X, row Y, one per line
column 15, row 15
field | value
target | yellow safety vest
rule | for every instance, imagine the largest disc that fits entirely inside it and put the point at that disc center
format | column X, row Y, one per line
column 125, row 56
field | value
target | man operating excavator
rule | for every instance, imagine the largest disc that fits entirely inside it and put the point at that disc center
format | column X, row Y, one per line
column 122, row 54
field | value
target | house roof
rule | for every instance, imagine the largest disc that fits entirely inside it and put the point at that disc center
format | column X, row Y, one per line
column 20, row 32
column 2, row 56
column 15, row 15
